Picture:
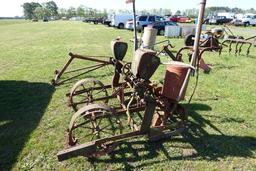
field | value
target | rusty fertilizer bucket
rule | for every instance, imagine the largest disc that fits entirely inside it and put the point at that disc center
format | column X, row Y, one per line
column 174, row 79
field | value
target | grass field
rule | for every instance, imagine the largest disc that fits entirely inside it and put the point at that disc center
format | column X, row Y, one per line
column 34, row 115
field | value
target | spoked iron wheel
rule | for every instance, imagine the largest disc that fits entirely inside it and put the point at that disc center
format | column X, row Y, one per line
column 91, row 123
column 87, row 91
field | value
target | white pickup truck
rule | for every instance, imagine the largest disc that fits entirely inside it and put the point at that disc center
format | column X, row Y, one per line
column 249, row 19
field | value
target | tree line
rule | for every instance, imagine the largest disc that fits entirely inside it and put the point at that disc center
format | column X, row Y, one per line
column 34, row 10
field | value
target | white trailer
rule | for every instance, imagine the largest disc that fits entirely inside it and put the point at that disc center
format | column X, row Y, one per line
column 226, row 14
column 119, row 20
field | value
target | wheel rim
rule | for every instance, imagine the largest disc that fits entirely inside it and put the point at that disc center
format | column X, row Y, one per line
column 87, row 91
column 92, row 122
column 121, row 26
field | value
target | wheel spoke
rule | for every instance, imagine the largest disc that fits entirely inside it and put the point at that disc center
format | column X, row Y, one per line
column 80, row 125
column 93, row 135
column 105, row 127
column 100, row 121
column 87, row 91
column 94, row 123
column 100, row 91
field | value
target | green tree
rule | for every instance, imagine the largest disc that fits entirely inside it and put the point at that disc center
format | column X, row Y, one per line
column 192, row 13
column 80, row 11
column 29, row 8
column 62, row 12
column 71, row 12
column 167, row 12
column 52, row 7
column 39, row 12
column 178, row 12
column 251, row 10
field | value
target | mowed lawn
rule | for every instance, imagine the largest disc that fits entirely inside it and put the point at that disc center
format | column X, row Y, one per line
column 34, row 114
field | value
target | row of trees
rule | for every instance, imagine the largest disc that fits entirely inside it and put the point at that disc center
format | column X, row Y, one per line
column 211, row 11
column 82, row 11
column 34, row 10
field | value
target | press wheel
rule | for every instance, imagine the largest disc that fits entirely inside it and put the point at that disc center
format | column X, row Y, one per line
column 91, row 123
column 87, row 91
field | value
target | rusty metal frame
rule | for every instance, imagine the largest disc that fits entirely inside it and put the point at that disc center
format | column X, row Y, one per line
column 151, row 100
column 97, row 59
column 201, row 49
column 99, row 63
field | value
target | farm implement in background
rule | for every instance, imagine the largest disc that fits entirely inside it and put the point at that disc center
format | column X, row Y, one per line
column 239, row 42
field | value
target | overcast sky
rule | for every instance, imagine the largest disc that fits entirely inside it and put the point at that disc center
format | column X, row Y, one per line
column 13, row 7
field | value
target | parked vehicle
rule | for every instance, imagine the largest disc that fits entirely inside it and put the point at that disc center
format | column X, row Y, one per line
column 129, row 25
column 226, row 14
column 93, row 20
column 184, row 20
column 174, row 18
column 107, row 22
column 220, row 20
column 76, row 19
column 45, row 19
column 249, row 19
column 237, row 22
column 180, row 19
column 143, row 21
column 119, row 20
column 160, row 26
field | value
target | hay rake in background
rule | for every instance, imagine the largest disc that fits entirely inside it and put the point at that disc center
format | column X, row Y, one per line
column 239, row 41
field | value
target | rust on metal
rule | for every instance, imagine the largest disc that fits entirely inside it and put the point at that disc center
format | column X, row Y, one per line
column 152, row 110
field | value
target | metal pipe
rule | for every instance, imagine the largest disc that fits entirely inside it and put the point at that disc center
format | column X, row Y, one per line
column 135, row 27
column 195, row 47
column 198, row 32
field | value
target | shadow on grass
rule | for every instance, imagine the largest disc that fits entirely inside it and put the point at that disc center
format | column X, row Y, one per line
column 223, row 66
column 22, row 105
column 138, row 154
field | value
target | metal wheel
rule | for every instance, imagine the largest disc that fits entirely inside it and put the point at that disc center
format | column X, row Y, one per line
column 93, row 122
column 87, row 91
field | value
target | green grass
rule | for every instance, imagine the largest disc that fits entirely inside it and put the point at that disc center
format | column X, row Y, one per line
column 34, row 115
column 6, row 22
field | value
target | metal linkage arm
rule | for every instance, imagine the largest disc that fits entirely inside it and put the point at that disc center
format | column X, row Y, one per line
column 97, row 59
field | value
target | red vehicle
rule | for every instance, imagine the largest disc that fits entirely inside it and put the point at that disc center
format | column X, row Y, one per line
column 180, row 19
column 174, row 18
